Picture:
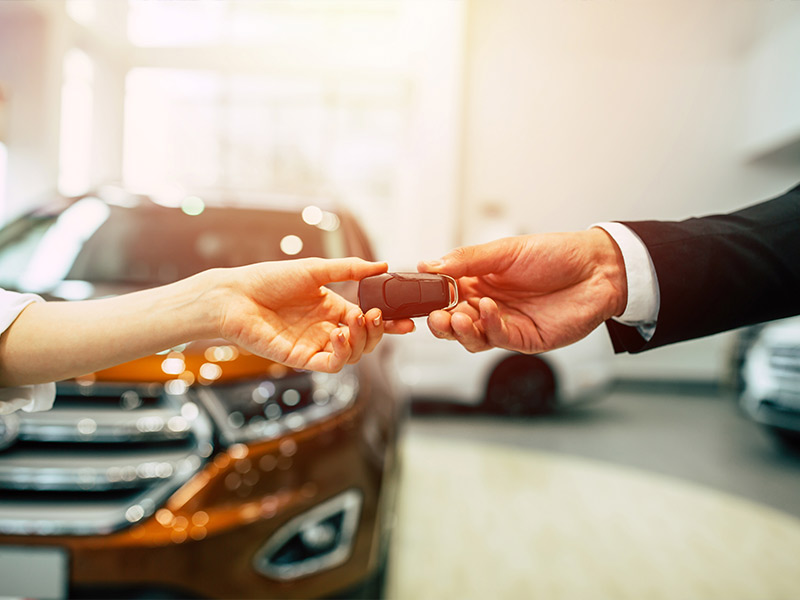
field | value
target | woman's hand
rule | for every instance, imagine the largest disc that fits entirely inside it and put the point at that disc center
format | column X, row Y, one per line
column 282, row 311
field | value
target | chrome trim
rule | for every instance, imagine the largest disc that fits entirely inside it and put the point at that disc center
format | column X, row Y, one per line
column 20, row 518
column 114, row 466
column 63, row 425
column 9, row 430
column 349, row 502
column 341, row 389
column 71, row 473
column 454, row 295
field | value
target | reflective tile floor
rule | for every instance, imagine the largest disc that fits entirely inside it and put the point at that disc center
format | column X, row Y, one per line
column 640, row 495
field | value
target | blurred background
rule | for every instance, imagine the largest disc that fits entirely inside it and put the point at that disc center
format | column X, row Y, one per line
column 447, row 122
column 453, row 121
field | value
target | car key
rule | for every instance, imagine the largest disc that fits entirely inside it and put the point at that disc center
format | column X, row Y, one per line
column 405, row 295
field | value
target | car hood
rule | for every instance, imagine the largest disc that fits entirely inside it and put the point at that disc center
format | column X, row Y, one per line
column 204, row 362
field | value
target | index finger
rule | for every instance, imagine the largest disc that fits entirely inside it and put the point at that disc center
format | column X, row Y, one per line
column 343, row 269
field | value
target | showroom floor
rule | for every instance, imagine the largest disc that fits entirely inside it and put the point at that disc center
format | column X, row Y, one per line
column 638, row 495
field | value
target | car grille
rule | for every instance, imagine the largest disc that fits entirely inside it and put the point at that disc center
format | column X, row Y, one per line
column 785, row 360
column 784, row 364
column 104, row 457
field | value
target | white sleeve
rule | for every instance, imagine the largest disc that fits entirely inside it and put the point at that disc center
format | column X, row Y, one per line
column 30, row 398
column 644, row 298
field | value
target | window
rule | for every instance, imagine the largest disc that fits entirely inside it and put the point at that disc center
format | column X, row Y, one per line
column 75, row 142
column 296, row 135
column 351, row 99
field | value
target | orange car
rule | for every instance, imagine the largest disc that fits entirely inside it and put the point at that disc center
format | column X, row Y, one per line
column 203, row 471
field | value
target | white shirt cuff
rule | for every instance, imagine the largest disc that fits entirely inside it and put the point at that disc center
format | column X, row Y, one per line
column 644, row 299
column 29, row 398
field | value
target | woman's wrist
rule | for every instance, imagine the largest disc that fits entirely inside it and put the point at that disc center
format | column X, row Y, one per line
column 206, row 293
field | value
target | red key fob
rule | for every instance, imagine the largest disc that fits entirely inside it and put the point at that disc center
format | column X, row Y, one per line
column 405, row 295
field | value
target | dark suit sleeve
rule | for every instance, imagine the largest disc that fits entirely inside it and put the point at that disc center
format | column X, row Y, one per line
column 721, row 272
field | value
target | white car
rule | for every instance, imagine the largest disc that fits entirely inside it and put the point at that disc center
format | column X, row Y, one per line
column 503, row 381
column 771, row 377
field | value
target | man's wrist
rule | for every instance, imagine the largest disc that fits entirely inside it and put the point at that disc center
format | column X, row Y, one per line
column 611, row 266
column 643, row 302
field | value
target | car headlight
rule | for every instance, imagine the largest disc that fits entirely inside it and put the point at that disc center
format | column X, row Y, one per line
column 758, row 375
column 269, row 407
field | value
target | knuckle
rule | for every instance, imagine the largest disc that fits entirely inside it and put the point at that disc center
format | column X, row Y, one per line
column 312, row 266
column 475, row 348
column 459, row 254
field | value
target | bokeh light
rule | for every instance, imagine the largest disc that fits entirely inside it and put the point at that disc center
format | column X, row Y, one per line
column 291, row 245
column 312, row 215
column 193, row 206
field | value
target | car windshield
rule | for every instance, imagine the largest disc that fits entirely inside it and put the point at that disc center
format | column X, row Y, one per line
column 143, row 245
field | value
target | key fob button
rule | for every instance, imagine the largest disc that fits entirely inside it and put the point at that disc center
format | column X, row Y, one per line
column 398, row 292
column 434, row 291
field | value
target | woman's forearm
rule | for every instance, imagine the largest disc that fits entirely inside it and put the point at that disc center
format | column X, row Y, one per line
column 279, row 310
column 51, row 341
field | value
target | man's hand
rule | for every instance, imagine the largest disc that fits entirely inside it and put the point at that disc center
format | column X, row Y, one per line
column 531, row 293
column 280, row 310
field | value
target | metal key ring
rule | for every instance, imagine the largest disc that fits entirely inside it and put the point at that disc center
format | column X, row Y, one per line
column 454, row 294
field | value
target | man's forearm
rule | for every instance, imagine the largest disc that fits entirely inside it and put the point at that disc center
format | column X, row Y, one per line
column 57, row 340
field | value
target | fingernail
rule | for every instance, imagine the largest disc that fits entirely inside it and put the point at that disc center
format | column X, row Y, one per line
column 433, row 263
column 361, row 320
column 341, row 337
column 377, row 320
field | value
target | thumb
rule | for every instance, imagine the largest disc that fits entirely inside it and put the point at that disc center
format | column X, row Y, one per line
column 470, row 261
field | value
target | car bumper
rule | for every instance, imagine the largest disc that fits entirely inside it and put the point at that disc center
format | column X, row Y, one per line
column 775, row 416
column 203, row 544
